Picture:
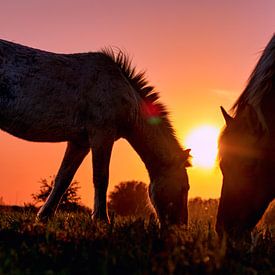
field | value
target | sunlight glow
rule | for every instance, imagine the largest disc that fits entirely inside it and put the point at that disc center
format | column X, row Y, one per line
column 203, row 144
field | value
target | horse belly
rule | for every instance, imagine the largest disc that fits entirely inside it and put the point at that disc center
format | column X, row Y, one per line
column 49, row 133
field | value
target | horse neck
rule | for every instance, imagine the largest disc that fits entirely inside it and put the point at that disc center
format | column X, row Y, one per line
column 155, row 144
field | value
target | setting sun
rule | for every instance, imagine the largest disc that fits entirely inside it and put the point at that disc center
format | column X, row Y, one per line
column 203, row 144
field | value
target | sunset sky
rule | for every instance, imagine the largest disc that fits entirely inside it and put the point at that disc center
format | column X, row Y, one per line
column 198, row 54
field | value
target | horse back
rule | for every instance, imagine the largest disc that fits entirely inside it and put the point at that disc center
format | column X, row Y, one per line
column 47, row 96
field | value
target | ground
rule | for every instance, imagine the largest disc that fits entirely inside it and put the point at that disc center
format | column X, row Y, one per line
column 72, row 243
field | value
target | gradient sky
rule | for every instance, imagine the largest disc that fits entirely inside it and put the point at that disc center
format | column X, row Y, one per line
column 198, row 54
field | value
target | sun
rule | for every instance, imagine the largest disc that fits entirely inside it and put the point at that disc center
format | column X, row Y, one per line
column 203, row 142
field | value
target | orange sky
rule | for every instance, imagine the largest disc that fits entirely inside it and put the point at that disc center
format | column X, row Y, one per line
column 198, row 54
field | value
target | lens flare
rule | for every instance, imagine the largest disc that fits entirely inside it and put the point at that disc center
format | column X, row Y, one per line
column 151, row 113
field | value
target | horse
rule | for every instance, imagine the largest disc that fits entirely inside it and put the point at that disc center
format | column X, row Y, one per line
column 247, row 151
column 90, row 100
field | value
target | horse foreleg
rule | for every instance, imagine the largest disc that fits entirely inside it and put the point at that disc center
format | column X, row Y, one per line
column 73, row 157
column 101, row 146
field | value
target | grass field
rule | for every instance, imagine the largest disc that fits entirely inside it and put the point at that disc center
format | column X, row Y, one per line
column 72, row 243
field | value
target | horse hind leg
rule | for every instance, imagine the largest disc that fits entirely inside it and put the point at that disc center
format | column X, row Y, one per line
column 73, row 157
column 101, row 145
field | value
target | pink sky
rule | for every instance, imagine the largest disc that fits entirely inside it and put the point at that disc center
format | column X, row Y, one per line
column 198, row 54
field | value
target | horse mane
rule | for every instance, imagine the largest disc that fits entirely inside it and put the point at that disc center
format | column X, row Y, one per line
column 137, row 79
column 260, row 82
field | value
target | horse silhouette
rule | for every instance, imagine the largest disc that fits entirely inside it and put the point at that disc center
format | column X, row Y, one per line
column 247, row 151
column 91, row 100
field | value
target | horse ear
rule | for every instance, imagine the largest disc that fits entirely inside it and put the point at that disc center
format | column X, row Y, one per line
column 184, row 158
column 228, row 119
column 187, row 157
column 187, row 152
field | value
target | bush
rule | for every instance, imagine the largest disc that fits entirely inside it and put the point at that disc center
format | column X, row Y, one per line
column 130, row 198
column 69, row 201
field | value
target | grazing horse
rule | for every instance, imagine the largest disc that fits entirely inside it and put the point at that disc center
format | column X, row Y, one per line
column 247, row 151
column 91, row 100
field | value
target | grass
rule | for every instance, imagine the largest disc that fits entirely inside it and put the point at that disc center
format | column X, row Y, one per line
column 71, row 243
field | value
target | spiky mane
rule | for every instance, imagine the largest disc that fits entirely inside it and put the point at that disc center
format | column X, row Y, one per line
column 137, row 79
column 260, row 81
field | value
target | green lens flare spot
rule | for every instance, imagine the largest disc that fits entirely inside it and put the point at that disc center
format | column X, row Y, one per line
column 154, row 120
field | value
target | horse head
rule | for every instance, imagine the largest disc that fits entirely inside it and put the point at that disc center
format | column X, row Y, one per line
column 169, row 191
column 245, row 161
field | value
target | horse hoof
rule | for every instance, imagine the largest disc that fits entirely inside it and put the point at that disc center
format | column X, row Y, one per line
column 44, row 217
column 101, row 219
